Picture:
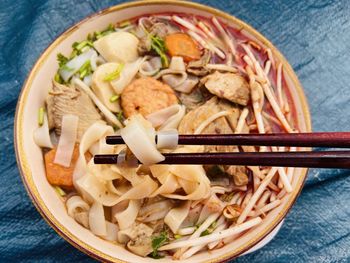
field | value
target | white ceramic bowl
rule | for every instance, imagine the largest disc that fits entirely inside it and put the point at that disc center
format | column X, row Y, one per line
column 30, row 159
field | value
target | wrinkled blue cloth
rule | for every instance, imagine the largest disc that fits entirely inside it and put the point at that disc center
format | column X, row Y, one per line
column 314, row 35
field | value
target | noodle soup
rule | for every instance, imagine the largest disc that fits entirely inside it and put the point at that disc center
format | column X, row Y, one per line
column 154, row 74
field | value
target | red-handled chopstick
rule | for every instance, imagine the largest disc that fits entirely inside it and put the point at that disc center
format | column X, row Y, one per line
column 326, row 159
column 316, row 139
column 321, row 159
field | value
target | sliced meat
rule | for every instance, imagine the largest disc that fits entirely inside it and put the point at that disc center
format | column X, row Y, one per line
column 223, row 125
column 64, row 100
column 230, row 86
column 146, row 95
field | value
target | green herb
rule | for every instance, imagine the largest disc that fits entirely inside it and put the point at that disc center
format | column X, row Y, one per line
column 124, row 23
column 79, row 46
column 158, row 45
column 58, row 78
column 85, row 69
column 114, row 98
column 157, row 242
column 120, row 116
column 115, row 74
column 177, row 236
column 59, row 191
column 41, row 116
column 62, row 60
column 209, row 230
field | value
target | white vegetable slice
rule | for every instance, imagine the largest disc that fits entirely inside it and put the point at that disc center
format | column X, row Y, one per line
column 41, row 135
column 118, row 47
column 176, row 216
column 67, row 140
column 103, row 88
column 177, row 63
column 75, row 64
column 167, row 139
column 97, row 221
column 110, row 117
column 138, row 136
column 128, row 73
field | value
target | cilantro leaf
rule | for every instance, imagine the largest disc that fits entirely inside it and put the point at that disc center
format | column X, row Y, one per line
column 157, row 242
column 158, row 45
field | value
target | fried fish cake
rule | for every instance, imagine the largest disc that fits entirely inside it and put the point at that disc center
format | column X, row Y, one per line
column 146, row 95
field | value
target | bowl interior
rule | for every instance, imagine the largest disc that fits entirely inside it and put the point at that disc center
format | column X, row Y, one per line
column 30, row 158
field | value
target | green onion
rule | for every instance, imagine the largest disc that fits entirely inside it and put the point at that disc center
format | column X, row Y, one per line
column 124, row 23
column 58, row 78
column 209, row 230
column 79, row 46
column 115, row 74
column 120, row 116
column 114, row 98
column 62, row 60
column 85, row 69
column 59, row 191
column 177, row 236
column 158, row 45
column 41, row 116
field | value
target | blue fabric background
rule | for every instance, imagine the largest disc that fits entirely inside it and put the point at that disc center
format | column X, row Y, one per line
column 314, row 35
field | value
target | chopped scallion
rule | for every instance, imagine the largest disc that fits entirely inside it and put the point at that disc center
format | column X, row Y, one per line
column 124, row 23
column 85, row 69
column 114, row 98
column 115, row 74
column 120, row 116
column 177, row 236
column 41, row 116
column 60, row 191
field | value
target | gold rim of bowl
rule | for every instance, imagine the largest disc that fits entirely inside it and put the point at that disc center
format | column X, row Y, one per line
column 23, row 163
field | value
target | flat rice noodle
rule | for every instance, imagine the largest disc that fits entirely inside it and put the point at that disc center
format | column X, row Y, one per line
column 127, row 217
column 158, row 118
column 41, row 135
column 97, row 189
column 93, row 134
column 176, row 216
column 111, row 232
column 139, row 136
column 126, row 76
column 140, row 191
column 192, row 173
column 67, row 140
column 76, row 204
column 97, row 221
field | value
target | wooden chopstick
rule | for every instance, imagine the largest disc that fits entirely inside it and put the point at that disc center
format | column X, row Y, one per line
column 316, row 139
column 324, row 159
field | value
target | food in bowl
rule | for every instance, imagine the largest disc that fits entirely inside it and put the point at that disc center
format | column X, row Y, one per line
column 157, row 73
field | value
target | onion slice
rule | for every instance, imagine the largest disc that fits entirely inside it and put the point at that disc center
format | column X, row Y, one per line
column 67, row 140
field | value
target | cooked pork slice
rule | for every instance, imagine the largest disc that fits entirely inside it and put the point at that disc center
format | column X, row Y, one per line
column 222, row 125
column 230, row 86
column 63, row 100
